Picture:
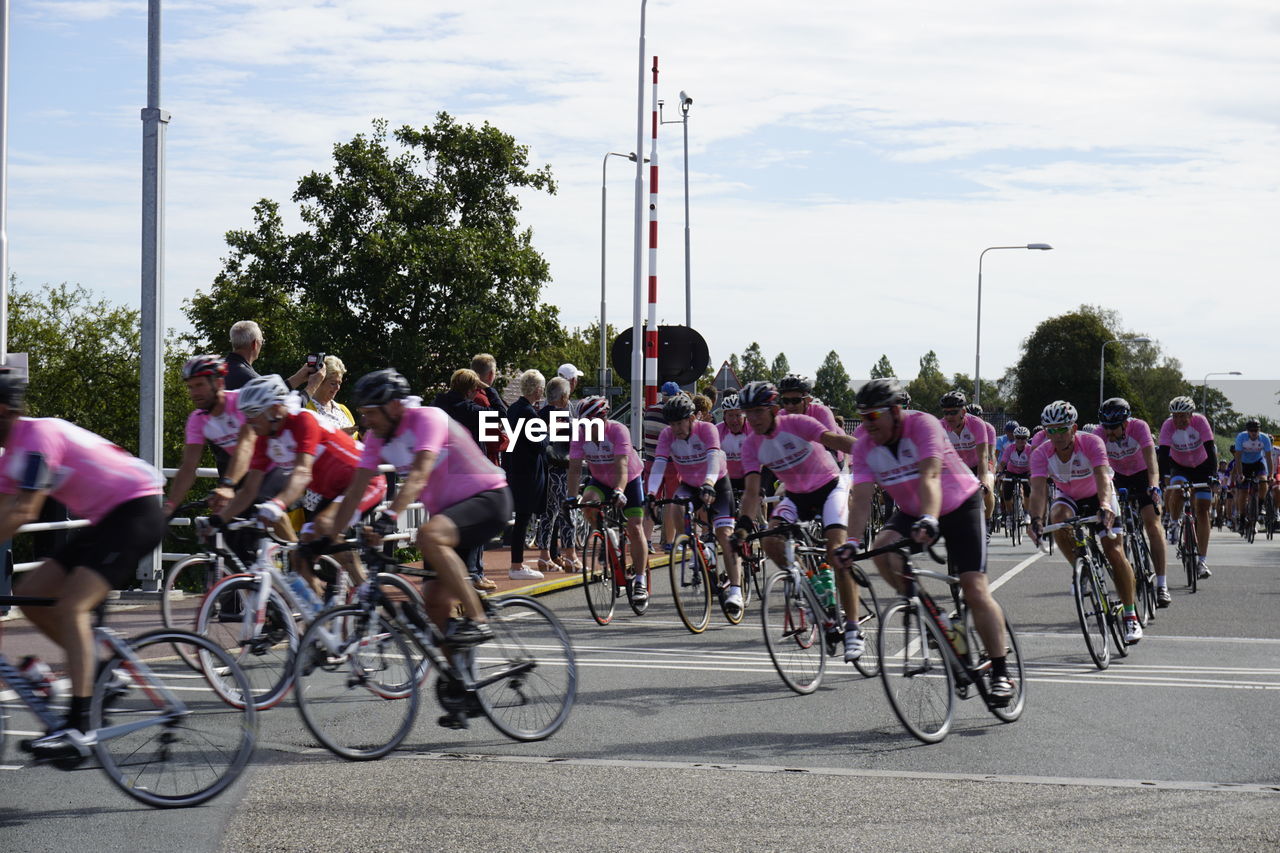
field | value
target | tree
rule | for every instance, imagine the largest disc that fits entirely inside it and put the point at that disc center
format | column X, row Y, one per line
column 581, row 348
column 736, row 366
column 929, row 385
column 1059, row 362
column 831, row 385
column 412, row 258
column 754, row 368
column 882, row 369
column 780, row 367
column 992, row 400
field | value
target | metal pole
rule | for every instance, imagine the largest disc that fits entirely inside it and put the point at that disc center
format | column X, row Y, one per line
column 1102, row 372
column 4, row 182
column 604, row 213
column 977, row 338
column 651, row 331
column 637, row 343
column 688, row 287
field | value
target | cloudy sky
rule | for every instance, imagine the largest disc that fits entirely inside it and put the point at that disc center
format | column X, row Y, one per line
column 848, row 161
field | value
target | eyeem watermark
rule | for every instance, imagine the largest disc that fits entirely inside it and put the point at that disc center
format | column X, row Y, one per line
column 562, row 428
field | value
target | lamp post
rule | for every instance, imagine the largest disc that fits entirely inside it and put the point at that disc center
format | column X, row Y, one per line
column 1102, row 362
column 637, row 340
column 1204, row 385
column 604, row 213
column 685, row 103
column 977, row 344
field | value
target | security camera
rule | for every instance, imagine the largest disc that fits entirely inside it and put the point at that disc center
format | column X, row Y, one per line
column 684, row 98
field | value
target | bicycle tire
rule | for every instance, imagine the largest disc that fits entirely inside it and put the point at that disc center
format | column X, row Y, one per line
column 1251, row 517
column 189, row 759
column 526, row 677
column 266, row 658
column 597, row 579
column 195, row 576
column 720, row 584
column 918, row 680
column 1140, row 580
column 752, row 563
column 1015, row 668
column 357, row 680
column 1189, row 551
column 1090, row 611
column 1015, row 526
column 868, row 620
column 791, row 634
column 639, row 606
column 1144, row 575
column 411, row 595
column 690, row 584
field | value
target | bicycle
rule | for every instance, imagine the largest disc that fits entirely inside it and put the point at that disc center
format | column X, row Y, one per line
column 159, row 735
column 694, row 570
column 1101, row 617
column 750, row 559
column 605, row 574
column 800, row 629
column 929, row 658
column 361, row 667
column 1013, row 523
column 1269, row 513
column 1188, row 547
column 1139, row 553
column 1248, row 521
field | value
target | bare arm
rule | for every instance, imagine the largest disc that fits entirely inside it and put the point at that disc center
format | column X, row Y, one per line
column 838, row 441
column 244, row 496
column 929, row 487
column 17, row 510
column 181, row 482
column 298, row 480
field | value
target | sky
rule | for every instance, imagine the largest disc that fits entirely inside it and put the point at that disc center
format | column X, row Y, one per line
column 848, row 162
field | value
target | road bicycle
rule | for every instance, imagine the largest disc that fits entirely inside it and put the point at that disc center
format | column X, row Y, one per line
column 1253, row 512
column 750, row 558
column 160, row 732
column 1013, row 520
column 929, row 657
column 695, row 570
column 801, row 629
column 361, row 667
column 1138, row 551
column 605, row 573
column 1100, row 611
column 1188, row 545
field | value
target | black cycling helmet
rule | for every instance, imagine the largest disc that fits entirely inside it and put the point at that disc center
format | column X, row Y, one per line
column 974, row 409
column 381, row 387
column 1114, row 411
column 213, row 366
column 795, row 382
column 677, row 408
column 953, row 400
column 879, row 393
column 13, row 389
column 1010, row 426
column 758, row 395
column 1251, row 424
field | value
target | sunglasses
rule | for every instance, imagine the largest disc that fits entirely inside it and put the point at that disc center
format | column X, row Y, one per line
column 1058, row 430
column 791, row 401
column 950, row 411
column 873, row 415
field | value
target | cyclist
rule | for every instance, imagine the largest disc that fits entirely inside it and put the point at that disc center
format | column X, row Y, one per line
column 968, row 434
column 613, row 474
column 1132, row 454
column 1014, row 471
column 693, row 446
column 466, row 495
column 119, row 495
column 1005, row 440
column 653, row 424
column 794, row 448
column 907, row 454
column 1077, row 464
column 1188, row 454
column 795, row 395
column 1252, row 452
column 216, row 420
column 732, row 431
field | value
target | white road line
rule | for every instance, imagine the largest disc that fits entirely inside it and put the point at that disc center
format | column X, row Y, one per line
column 1012, row 573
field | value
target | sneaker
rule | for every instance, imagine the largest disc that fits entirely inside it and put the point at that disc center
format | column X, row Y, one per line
column 1132, row 630
column 854, row 645
column 1163, row 598
column 464, row 633
column 63, row 745
column 1001, row 691
column 638, row 591
column 483, row 584
column 524, row 573
column 1204, row 569
column 733, row 601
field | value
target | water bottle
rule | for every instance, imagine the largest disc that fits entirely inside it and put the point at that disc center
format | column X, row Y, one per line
column 38, row 675
column 954, row 632
column 306, row 596
column 709, row 552
column 824, row 584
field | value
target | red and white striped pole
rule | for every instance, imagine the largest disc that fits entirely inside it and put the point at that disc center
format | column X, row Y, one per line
column 651, row 331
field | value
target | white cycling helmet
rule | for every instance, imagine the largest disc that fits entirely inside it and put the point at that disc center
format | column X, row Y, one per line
column 1057, row 413
column 1181, row 404
column 260, row 394
column 589, row 407
column 1021, row 432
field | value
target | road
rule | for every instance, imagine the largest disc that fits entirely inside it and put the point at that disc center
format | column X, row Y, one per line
column 684, row 742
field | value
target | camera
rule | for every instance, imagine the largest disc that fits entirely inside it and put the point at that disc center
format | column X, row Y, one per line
column 315, row 361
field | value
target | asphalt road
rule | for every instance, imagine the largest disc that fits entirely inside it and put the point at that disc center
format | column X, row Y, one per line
column 684, row 742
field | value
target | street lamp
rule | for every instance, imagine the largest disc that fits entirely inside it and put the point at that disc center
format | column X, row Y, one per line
column 604, row 212
column 1102, row 361
column 685, row 103
column 977, row 344
column 1204, row 386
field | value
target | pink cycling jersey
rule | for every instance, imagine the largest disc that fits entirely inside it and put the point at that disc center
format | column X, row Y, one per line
column 1186, row 446
column 219, row 430
column 601, row 455
column 897, row 469
column 991, row 444
column 1073, row 477
column 793, row 452
column 1016, row 461
column 80, row 469
column 827, row 418
column 697, row 459
column 1039, row 438
column 973, row 432
column 461, row 469
column 1125, row 451
column 731, row 446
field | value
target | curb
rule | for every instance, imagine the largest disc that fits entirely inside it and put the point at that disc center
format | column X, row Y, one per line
column 557, row 584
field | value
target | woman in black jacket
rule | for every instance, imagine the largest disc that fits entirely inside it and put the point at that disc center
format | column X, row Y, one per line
column 526, row 474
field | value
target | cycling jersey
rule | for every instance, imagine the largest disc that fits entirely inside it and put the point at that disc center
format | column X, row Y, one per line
column 1186, row 446
column 697, row 459
column 219, row 430
column 896, row 466
column 336, row 453
column 731, row 447
column 600, row 455
column 1125, row 450
column 1039, row 438
column 1253, row 450
column 1015, row 461
column 461, row 470
column 1074, row 476
column 793, row 452
column 973, row 432
column 827, row 418
column 79, row 468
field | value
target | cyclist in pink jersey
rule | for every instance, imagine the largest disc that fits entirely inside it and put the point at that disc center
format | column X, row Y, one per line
column 216, row 421
column 1014, row 470
column 1188, row 454
column 733, row 432
column 117, row 493
column 692, row 447
column 1132, row 453
column 466, row 495
column 794, row 448
column 908, row 455
column 968, row 434
column 1077, row 464
column 795, row 395
column 613, row 473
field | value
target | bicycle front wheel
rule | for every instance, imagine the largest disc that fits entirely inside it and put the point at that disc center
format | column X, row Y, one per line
column 1015, row 668
column 1092, row 614
column 918, row 681
column 526, row 677
column 1015, row 523
column 264, row 651
column 792, row 633
column 690, row 585
column 1187, row 548
column 597, row 579
column 868, row 620
column 357, row 683
column 190, row 744
column 189, row 579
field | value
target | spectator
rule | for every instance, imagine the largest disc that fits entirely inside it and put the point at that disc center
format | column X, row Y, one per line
column 571, row 374
column 555, row 525
column 702, row 407
column 485, row 367
column 246, row 346
column 526, row 475
column 322, row 387
column 459, row 402
column 713, row 394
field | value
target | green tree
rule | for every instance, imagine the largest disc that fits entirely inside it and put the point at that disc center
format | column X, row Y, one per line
column 780, row 367
column 992, row 400
column 882, row 369
column 1059, row 362
column 929, row 385
column 413, row 258
column 753, row 367
column 736, row 366
column 581, row 348
column 831, row 385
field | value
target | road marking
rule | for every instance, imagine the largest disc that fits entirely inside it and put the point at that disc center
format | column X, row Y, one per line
column 1012, row 573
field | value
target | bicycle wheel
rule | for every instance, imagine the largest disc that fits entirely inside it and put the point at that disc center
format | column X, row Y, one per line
column 918, row 680
column 1015, row 523
column 690, row 585
column 752, row 562
column 1090, row 611
column 597, row 579
column 1251, row 518
column 639, row 606
column 868, row 620
column 1188, row 550
column 179, row 754
column 1146, row 575
column 526, row 677
column 791, row 633
column 357, row 683
column 264, row 651
column 1015, row 668
column 191, row 578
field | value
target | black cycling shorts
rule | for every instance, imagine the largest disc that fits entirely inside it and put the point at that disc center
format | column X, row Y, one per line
column 964, row 529
column 479, row 518
column 721, row 508
column 1137, row 486
column 1006, row 489
column 1251, row 469
column 115, row 545
column 1205, row 472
